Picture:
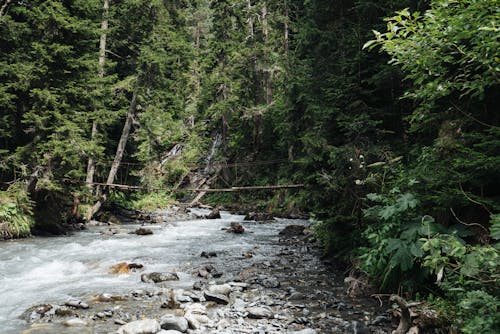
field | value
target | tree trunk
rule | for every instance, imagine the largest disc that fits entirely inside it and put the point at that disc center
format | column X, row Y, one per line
column 102, row 59
column 120, row 150
column 4, row 7
column 286, row 31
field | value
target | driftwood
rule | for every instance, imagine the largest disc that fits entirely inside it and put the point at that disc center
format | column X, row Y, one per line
column 405, row 321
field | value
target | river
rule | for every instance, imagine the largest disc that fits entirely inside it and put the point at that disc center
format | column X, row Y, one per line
column 54, row 269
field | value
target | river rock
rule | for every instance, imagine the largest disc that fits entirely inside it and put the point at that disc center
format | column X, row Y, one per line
column 293, row 231
column 156, row 277
column 236, row 228
column 77, row 304
column 216, row 297
column 74, row 322
column 224, row 289
column 259, row 216
column 214, row 214
column 170, row 321
column 259, row 312
column 208, row 254
column 143, row 231
column 146, row 326
column 170, row 331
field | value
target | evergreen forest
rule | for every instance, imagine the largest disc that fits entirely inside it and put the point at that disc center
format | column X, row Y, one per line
column 377, row 118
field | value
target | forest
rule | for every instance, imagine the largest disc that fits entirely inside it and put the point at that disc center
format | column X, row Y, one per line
column 385, row 111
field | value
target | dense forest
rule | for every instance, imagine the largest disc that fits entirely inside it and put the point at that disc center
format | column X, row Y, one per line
column 386, row 111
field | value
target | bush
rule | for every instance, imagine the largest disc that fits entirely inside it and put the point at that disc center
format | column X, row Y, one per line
column 16, row 213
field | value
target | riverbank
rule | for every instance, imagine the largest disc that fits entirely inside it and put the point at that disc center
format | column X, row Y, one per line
column 258, row 281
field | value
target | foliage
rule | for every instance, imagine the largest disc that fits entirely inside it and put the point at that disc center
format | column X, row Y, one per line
column 16, row 213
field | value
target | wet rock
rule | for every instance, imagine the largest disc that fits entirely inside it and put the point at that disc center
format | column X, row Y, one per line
column 208, row 271
column 216, row 297
column 170, row 321
column 124, row 268
column 236, row 228
column 146, row 326
column 170, row 331
column 224, row 289
column 208, row 254
column 259, row 216
column 75, row 322
column 214, row 214
column 380, row 319
column 119, row 322
column 143, row 231
column 156, row 277
column 77, row 304
column 259, row 312
column 293, row 231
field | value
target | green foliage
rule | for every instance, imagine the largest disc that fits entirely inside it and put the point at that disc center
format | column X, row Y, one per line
column 16, row 213
column 152, row 201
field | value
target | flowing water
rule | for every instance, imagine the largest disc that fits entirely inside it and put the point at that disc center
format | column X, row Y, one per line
column 55, row 269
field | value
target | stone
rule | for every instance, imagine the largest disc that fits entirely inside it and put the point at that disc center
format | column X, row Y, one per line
column 156, row 277
column 214, row 214
column 259, row 216
column 170, row 321
column 224, row 289
column 145, row 326
column 208, row 254
column 259, row 312
column 74, row 322
column 143, row 231
column 170, row 331
column 236, row 228
column 293, row 231
column 216, row 297
column 77, row 304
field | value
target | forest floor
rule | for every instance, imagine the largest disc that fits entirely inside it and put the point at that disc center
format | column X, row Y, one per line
column 281, row 285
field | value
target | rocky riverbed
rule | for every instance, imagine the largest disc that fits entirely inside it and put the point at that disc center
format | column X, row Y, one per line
column 242, row 277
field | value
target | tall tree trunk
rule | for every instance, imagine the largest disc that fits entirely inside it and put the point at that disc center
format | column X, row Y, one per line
column 4, row 7
column 102, row 59
column 120, row 150
column 250, row 20
column 286, row 30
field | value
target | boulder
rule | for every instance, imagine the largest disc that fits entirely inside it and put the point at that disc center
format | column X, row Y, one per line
column 216, row 297
column 259, row 312
column 77, row 304
column 259, row 216
column 236, row 228
column 143, row 231
column 214, row 214
column 170, row 321
column 293, row 231
column 146, row 326
column 208, row 254
column 156, row 277
column 223, row 289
